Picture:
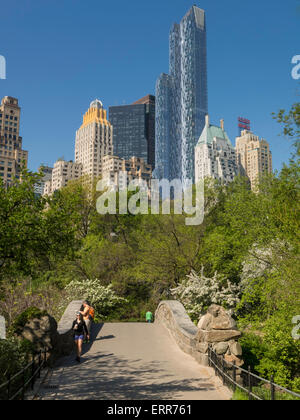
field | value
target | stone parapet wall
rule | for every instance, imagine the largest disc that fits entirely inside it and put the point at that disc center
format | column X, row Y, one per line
column 173, row 316
column 216, row 329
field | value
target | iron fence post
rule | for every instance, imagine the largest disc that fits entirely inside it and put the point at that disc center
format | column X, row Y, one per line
column 234, row 376
column 272, row 388
column 23, row 385
column 249, row 383
column 32, row 372
column 40, row 362
column 8, row 387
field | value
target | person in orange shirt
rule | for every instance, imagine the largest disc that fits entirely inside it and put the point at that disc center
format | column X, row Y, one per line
column 85, row 313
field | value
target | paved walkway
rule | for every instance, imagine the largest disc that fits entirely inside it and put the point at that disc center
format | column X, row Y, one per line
column 133, row 361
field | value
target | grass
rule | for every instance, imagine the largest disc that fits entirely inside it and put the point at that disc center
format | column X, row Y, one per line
column 239, row 396
column 264, row 394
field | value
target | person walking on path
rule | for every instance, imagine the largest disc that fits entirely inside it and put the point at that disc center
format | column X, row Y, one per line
column 79, row 328
column 86, row 317
column 149, row 317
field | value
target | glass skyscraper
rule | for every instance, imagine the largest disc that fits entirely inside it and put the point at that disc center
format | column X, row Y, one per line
column 163, row 126
column 181, row 99
column 134, row 129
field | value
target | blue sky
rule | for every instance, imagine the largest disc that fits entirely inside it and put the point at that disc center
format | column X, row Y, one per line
column 62, row 54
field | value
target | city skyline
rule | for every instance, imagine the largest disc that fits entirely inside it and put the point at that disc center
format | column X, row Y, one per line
column 261, row 85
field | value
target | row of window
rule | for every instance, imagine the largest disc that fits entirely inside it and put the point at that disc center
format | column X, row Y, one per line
column 11, row 124
column 8, row 117
column 10, row 136
column 7, row 175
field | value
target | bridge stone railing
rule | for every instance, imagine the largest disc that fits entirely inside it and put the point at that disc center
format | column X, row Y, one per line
column 216, row 329
column 173, row 316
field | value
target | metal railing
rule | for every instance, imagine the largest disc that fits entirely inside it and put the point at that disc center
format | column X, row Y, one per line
column 251, row 385
column 15, row 386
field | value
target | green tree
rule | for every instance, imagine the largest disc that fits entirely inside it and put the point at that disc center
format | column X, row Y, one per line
column 291, row 123
column 20, row 221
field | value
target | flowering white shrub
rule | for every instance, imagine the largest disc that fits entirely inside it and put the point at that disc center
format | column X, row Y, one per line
column 198, row 292
column 102, row 298
column 262, row 261
column 256, row 264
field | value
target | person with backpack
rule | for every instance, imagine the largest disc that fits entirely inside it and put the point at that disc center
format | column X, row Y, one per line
column 79, row 328
column 88, row 314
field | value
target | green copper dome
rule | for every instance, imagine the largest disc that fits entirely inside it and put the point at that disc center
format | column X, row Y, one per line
column 210, row 132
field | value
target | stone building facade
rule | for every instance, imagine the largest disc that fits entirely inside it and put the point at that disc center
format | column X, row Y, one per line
column 94, row 140
column 253, row 157
column 215, row 156
column 135, row 168
column 12, row 157
column 63, row 172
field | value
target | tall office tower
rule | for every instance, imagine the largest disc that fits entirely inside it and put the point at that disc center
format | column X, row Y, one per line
column 215, row 156
column 94, row 139
column 12, row 157
column 47, row 171
column 134, row 129
column 63, row 172
column 181, row 98
column 254, row 157
column 163, row 127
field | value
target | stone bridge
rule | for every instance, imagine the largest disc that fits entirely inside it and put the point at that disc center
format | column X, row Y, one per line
column 166, row 360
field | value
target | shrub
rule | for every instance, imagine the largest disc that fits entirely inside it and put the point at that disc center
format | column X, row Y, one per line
column 14, row 354
column 274, row 351
column 102, row 298
column 253, row 350
column 17, row 296
column 198, row 292
column 21, row 320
